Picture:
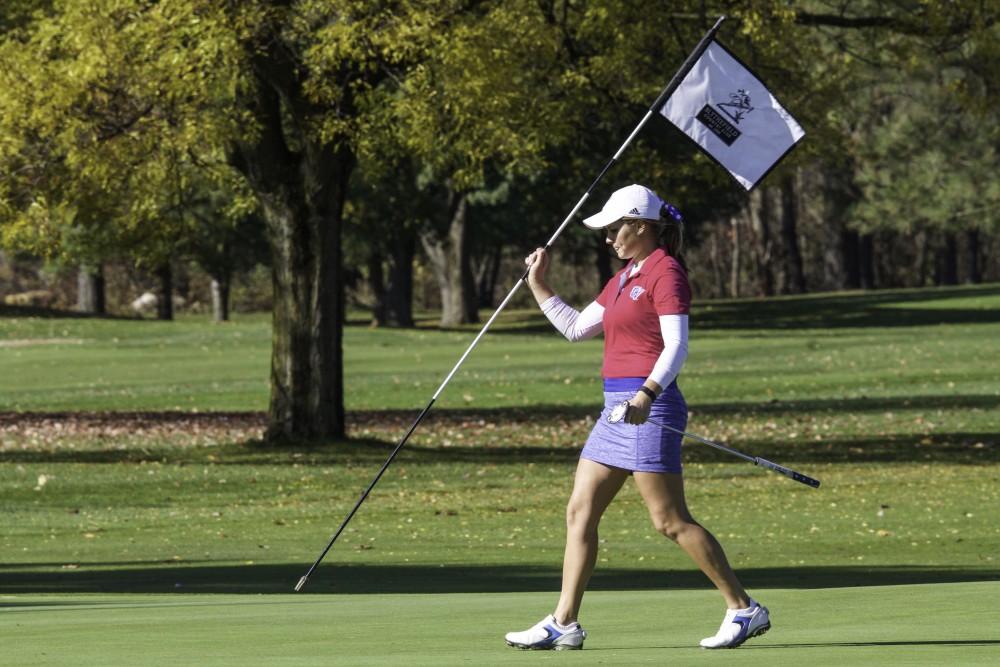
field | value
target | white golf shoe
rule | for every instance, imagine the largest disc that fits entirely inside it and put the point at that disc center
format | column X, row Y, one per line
column 545, row 635
column 738, row 626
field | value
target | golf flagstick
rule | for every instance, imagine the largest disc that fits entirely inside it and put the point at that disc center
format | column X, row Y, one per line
column 654, row 108
column 618, row 414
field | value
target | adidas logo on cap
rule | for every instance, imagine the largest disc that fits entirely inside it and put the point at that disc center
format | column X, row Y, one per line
column 634, row 211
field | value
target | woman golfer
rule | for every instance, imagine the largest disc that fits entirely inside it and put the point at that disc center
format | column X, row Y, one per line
column 643, row 312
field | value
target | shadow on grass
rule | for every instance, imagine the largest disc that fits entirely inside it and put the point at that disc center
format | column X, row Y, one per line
column 492, row 435
column 7, row 310
column 854, row 309
column 953, row 448
column 525, row 414
column 542, row 413
column 882, row 308
column 331, row 578
column 861, row 404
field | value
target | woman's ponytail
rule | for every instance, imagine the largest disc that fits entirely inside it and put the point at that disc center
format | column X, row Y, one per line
column 671, row 233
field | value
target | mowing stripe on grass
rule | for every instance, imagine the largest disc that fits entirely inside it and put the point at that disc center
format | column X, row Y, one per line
column 916, row 625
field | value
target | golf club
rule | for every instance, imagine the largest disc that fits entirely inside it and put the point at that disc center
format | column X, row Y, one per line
column 618, row 414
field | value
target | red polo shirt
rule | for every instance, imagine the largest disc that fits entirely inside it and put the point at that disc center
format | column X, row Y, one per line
column 632, row 308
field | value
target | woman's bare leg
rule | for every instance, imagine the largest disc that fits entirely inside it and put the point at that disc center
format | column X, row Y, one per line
column 663, row 494
column 594, row 488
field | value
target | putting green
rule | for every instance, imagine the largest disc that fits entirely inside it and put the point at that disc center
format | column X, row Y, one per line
column 929, row 624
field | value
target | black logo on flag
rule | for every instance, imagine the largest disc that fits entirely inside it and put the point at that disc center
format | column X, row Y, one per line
column 717, row 125
column 737, row 107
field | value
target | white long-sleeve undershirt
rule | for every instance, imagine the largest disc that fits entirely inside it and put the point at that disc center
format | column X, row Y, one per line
column 576, row 326
column 674, row 329
column 573, row 324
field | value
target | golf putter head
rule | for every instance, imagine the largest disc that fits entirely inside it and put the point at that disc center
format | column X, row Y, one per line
column 619, row 412
column 302, row 582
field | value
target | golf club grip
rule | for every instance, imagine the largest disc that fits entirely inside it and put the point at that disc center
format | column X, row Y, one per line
column 787, row 472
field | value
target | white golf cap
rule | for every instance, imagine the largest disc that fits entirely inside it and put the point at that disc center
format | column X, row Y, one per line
column 632, row 201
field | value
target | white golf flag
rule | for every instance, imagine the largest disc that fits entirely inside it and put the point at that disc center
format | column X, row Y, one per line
column 732, row 116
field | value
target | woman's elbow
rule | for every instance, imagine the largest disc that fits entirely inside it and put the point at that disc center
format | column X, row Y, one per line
column 576, row 335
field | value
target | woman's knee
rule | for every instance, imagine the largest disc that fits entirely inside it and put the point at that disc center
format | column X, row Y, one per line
column 673, row 526
column 580, row 516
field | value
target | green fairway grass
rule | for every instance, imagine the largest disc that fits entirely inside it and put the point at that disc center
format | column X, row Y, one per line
column 930, row 347
column 856, row 626
column 144, row 522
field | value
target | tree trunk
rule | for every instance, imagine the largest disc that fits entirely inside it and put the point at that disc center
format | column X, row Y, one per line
column 949, row 260
column 795, row 282
column 393, row 295
column 717, row 271
column 759, row 212
column 975, row 274
column 307, row 349
column 734, row 266
column 920, row 241
column 866, row 262
column 307, row 355
column 883, row 254
column 399, row 288
column 449, row 258
column 181, row 283
column 220, row 298
column 301, row 192
column 840, row 193
column 437, row 255
column 487, row 274
column 91, row 290
column 165, row 298
column 829, row 195
column 376, row 283
column 850, row 245
column 461, row 240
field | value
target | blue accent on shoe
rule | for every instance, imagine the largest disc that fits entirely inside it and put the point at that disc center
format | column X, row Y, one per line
column 744, row 622
column 553, row 635
column 741, row 637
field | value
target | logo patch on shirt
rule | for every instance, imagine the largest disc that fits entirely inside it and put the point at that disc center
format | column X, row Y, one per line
column 636, row 293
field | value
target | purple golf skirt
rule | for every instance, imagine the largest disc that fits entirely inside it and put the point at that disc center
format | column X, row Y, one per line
column 642, row 448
